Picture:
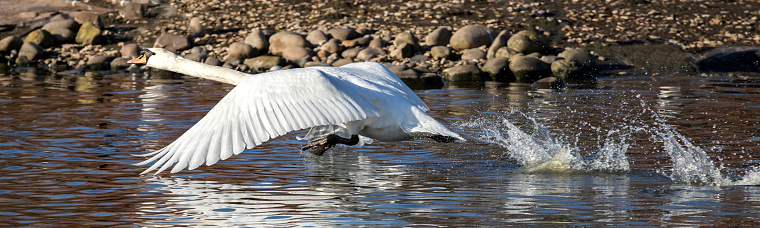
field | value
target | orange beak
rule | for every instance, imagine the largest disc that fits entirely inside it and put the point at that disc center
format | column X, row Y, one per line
column 139, row 60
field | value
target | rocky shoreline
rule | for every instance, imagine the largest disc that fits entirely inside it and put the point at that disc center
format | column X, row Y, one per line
column 424, row 42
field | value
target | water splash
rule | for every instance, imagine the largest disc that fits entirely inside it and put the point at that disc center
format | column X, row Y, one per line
column 541, row 152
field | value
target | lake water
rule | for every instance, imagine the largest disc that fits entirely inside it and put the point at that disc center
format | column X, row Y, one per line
column 623, row 151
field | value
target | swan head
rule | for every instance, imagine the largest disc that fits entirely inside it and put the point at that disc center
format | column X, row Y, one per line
column 155, row 57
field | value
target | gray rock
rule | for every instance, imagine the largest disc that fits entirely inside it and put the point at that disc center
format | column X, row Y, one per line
column 463, row 73
column 343, row 33
column 727, row 59
column 133, row 11
column 265, row 62
column 362, row 41
column 198, row 57
column 471, row 36
column 279, row 41
column 341, row 62
column 258, row 40
column 407, row 38
column 351, row 53
column 440, row 52
column 100, row 62
column 332, row 46
column 212, row 61
column 240, row 50
column 295, row 52
column 315, row 64
column 69, row 24
column 317, row 37
column 527, row 42
column 439, row 37
column 418, row 59
column 30, row 51
column 130, row 51
column 549, row 83
column 498, row 69
column 377, row 43
column 199, row 50
column 91, row 17
column 41, row 37
column 63, row 35
column 10, row 43
column 570, row 70
column 579, row 55
column 473, row 54
column 370, row 53
column 402, row 51
column 528, row 69
column 89, row 34
column 174, row 43
column 549, row 59
column 120, row 63
column 196, row 25
column 504, row 52
column 499, row 42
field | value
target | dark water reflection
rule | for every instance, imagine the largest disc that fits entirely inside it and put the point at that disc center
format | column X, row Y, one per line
column 66, row 140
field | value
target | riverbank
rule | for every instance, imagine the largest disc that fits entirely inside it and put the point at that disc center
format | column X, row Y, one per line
column 623, row 37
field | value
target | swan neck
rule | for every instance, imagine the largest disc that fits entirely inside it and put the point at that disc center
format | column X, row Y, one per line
column 201, row 70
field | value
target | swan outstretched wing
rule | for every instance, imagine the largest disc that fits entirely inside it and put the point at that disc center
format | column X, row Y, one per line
column 262, row 107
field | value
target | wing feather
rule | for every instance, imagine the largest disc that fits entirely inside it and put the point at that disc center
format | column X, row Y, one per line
column 262, row 107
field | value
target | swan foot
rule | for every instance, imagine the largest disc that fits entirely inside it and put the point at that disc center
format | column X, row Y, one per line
column 322, row 144
column 443, row 138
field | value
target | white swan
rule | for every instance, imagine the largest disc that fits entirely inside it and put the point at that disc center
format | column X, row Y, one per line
column 338, row 103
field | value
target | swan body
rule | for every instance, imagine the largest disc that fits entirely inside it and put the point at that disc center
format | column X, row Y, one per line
column 339, row 104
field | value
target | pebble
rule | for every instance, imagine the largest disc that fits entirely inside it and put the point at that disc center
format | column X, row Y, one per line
column 130, row 51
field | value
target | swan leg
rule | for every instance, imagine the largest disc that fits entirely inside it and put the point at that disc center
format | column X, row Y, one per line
column 320, row 145
column 442, row 138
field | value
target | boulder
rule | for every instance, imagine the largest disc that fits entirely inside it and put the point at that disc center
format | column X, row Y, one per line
column 258, row 41
column 240, row 50
column 90, row 17
column 196, row 26
column 498, row 70
column 89, row 34
column 504, row 52
column 30, row 51
column 63, row 35
column 362, row 41
column 341, row 62
column 263, row 63
column 377, row 43
column 439, row 37
column 440, row 52
column 548, row 83
column 210, row 60
column 295, row 52
column 343, row 33
column 528, row 69
column 570, row 70
column 498, row 43
column 279, row 41
column 100, row 62
column 527, row 42
column 473, row 54
column 130, row 51
column 370, row 53
column 579, row 55
column 351, row 52
column 173, row 43
column 10, row 43
column 317, row 37
column 120, row 63
column 198, row 57
column 471, row 36
column 69, row 24
column 407, row 38
column 402, row 51
column 41, row 37
column 332, row 46
column 463, row 73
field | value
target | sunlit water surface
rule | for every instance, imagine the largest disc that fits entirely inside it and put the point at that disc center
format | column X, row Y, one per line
column 634, row 151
